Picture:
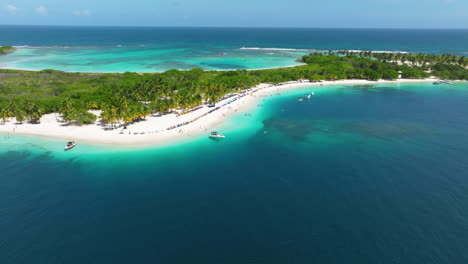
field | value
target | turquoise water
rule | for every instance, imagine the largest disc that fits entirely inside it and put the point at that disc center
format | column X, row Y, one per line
column 357, row 174
column 146, row 49
column 146, row 59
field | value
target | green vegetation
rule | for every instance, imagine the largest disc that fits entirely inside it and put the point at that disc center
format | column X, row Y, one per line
column 6, row 50
column 445, row 66
column 127, row 97
column 22, row 110
column 421, row 59
column 73, row 113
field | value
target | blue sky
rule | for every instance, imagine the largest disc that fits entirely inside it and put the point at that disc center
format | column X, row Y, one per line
column 239, row 13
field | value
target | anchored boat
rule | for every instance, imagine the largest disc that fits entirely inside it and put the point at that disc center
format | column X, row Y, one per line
column 70, row 145
column 216, row 135
column 306, row 96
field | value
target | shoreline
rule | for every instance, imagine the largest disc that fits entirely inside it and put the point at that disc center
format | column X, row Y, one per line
column 154, row 130
column 297, row 63
column 10, row 67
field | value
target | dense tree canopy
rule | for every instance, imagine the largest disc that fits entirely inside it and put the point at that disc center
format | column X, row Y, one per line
column 126, row 97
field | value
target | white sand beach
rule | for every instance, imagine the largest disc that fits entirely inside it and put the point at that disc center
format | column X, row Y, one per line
column 156, row 128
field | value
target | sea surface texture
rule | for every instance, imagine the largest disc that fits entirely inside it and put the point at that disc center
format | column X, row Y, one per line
column 357, row 174
column 140, row 49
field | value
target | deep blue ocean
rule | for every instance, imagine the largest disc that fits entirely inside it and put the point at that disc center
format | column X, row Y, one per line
column 357, row 174
column 149, row 49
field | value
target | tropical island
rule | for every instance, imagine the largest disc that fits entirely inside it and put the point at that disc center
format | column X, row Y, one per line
column 94, row 106
column 7, row 49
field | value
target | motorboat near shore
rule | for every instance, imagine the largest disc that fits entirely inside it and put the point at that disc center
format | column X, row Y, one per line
column 216, row 135
column 306, row 96
column 70, row 145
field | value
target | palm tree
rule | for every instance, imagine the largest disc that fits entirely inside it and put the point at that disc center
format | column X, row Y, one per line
column 144, row 111
column 12, row 106
column 20, row 116
column 34, row 114
column 31, row 111
column 130, row 113
column 109, row 114
column 66, row 108
column 92, row 105
column 5, row 114
column 8, row 112
column 13, row 110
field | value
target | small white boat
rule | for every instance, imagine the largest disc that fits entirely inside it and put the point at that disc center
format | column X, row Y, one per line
column 307, row 96
column 300, row 99
column 216, row 135
column 70, row 145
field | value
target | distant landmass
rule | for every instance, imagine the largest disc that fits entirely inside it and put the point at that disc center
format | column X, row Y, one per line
column 7, row 49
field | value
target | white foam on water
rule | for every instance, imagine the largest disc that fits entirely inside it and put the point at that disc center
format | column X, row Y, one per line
column 274, row 49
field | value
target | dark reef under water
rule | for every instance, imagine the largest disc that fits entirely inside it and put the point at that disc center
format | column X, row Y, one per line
column 353, row 175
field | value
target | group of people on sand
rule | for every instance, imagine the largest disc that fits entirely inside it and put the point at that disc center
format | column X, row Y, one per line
column 234, row 97
column 291, row 82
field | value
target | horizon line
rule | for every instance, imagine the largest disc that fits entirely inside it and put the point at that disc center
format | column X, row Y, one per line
column 235, row 27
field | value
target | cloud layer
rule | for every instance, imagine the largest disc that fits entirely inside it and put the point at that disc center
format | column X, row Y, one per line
column 81, row 12
column 11, row 9
column 41, row 10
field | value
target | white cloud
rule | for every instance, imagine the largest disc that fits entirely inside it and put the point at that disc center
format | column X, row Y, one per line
column 11, row 9
column 42, row 11
column 81, row 12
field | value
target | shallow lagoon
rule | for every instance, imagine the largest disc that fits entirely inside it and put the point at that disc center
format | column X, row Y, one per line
column 148, row 49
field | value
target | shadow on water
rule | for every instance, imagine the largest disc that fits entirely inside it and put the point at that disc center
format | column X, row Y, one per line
column 12, row 158
column 369, row 88
column 216, row 139
column 362, row 87
column 292, row 129
column 301, row 130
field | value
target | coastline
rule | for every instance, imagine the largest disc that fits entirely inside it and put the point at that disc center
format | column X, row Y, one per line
column 153, row 131
column 294, row 63
column 12, row 67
